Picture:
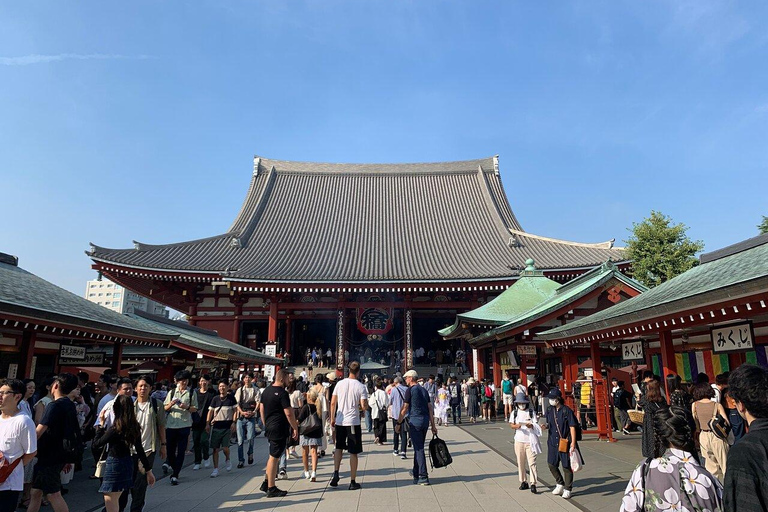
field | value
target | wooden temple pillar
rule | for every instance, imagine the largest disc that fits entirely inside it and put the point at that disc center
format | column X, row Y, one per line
column 600, row 394
column 668, row 362
column 28, row 339
column 238, row 301
column 192, row 314
column 117, row 356
column 570, row 372
column 480, row 370
column 496, row 366
column 288, row 346
column 272, row 329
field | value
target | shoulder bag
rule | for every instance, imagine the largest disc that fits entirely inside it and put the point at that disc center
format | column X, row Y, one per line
column 719, row 426
column 311, row 423
column 6, row 470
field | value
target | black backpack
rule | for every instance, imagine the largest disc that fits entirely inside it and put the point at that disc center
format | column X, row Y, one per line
column 439, row 455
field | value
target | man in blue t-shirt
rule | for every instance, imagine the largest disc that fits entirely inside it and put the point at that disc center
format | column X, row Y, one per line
column 418, row 407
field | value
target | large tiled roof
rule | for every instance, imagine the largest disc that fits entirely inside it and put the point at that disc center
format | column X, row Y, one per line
column 26, row 295
column 358, row 223
column 738, row 270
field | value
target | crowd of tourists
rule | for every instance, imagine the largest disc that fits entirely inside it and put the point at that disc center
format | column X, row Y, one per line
column 704, row 449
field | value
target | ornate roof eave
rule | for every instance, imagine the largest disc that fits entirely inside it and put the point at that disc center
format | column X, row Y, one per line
column 527, row 321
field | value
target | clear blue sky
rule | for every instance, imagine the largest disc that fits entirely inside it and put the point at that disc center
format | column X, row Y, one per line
column 139, row 120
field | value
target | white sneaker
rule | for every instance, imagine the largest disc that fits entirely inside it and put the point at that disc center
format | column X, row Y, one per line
column 558, row 490
column 215, row 473
column 207, row 463
column 229, row 465
column 313, row 477
column 306, row 475
column 195, row 467
column 566, row 494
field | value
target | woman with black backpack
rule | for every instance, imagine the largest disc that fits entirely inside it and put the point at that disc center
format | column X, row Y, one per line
column 379, row 401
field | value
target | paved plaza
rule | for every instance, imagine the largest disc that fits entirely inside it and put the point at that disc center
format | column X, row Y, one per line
column 478, row 480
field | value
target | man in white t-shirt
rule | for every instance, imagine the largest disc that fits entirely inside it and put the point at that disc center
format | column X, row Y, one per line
column 350, row 396
column 17, row 439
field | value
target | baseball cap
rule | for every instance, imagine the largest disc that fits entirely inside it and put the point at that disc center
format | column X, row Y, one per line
column 411, row 373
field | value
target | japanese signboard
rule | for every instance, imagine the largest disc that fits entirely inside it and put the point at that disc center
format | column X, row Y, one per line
column 71, row 352
column 733, row 338
column 269, row 369
column 374, row 320
column 206, row 364
column 632, row 351
column 526, row 350
column 408, row 338
column 91, row 359
column 341, row 361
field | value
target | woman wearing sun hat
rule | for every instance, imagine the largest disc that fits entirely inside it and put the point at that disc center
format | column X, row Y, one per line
column 524, row 422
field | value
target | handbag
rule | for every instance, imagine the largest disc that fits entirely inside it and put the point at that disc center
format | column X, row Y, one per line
column 101, row 464
column 310, row 424
column 719, row 426
column 6, row 470
column 562, row 445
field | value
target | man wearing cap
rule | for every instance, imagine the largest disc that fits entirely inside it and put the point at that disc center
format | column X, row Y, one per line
column 561, row 422
column 418, row 406
column 524, row 422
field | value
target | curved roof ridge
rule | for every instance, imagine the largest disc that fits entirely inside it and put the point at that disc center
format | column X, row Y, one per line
column 599, row 245
column 375, row 168
column 141, row 246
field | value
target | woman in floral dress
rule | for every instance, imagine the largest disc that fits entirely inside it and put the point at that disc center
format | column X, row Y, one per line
column 673, row 479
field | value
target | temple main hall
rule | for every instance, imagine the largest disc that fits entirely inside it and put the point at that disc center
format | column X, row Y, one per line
column 367, row 261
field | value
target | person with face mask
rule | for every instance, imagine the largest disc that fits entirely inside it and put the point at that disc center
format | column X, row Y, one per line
column 524, row 422
column 561, row 423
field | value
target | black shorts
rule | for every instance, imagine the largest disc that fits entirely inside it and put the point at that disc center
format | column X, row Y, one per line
column 47, row 478
column 277, row 446
column 349, row 438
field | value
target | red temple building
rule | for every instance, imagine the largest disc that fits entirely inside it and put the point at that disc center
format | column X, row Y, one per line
column 360, row 259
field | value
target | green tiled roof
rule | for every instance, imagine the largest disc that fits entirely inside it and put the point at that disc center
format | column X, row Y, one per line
column 527, row 292
column 204, row 339
column 25, row 294
column 738, row 270
column 563, row 296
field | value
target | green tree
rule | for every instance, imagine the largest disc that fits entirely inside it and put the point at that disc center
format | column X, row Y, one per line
column 763, row 226
column 660, row 249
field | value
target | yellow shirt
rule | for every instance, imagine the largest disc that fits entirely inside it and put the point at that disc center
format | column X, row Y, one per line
column 586, row 391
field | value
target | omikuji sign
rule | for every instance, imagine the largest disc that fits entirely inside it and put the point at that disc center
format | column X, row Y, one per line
column 733, row 337
column 632, row 351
